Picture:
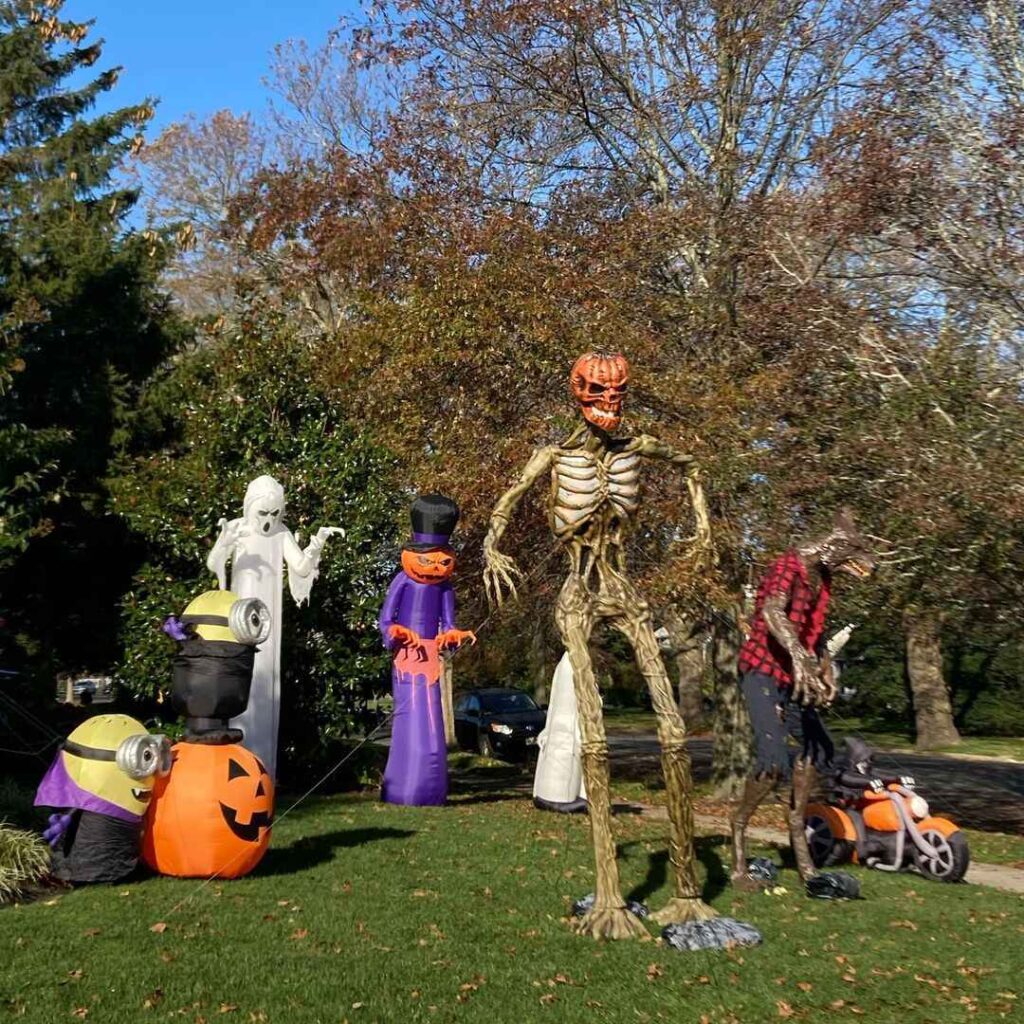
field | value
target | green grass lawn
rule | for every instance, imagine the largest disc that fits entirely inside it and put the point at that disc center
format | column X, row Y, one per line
column 367, row 912
column 988, row 746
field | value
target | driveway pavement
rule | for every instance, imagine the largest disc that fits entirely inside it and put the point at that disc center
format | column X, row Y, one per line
column 986, row 795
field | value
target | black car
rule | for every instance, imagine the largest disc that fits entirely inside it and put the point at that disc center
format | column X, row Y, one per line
column 498, row 721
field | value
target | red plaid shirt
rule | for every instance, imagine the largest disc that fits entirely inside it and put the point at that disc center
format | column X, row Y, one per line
column 787, row 577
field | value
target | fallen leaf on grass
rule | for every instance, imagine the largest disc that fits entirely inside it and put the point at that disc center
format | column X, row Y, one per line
column 160, row 927
column 227, row 1008
column 299, row 933
column 548, row 998
column 152, row 999
column 91, row 932
column 654, row 971
column 903, row 924
column 804, row 986
column 81, row 1012
column 785, row 1010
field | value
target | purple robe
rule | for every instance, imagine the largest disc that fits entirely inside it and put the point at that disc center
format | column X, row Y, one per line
column 417, row 768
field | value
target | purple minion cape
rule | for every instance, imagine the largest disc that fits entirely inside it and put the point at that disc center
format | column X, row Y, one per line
column 58, row 789
column 417, row 768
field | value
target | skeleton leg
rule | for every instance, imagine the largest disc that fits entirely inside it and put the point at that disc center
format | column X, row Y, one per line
column 609, row 918
column 633, row 619
column 804, row 777
column 754, row 792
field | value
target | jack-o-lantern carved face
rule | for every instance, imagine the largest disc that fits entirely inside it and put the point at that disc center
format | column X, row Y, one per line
column 428, row 566
column 211, row 815
column 247, row 797
column 599, row 384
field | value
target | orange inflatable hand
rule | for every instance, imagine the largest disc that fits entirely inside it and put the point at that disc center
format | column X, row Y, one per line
column 455, row 638
column 404, row 636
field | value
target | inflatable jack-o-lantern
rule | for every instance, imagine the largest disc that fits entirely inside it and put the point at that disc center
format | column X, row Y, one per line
column 212, row 815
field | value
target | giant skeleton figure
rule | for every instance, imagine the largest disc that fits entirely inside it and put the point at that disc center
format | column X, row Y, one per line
column 594, row 496
column 784, row 681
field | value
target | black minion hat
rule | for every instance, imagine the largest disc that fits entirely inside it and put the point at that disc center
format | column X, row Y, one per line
column 434, row 517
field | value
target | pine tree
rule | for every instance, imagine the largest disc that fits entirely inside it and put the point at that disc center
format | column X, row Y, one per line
column 82, row 324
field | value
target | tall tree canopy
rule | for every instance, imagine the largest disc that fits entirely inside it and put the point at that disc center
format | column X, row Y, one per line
column 83, row 323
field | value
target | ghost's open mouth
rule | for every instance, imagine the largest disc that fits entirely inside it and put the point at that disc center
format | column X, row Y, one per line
column 142, row 795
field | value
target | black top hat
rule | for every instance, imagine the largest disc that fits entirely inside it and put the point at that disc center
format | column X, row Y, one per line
column 433, row 522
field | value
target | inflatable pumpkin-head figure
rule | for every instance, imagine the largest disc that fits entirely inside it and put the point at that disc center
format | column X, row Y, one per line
column 212, row 815
column 429, row 566
column 428, row 557
column 598, row 384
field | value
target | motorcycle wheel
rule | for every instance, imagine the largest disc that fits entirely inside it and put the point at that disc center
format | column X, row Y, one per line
column 953, row 859
column 826, row 848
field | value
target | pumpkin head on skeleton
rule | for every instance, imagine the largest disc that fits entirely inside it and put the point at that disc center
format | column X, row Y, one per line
column 598, row 383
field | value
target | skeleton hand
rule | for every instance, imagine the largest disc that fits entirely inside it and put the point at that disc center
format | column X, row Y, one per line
column 809, row 686
column 455, row 638
column 500, row 571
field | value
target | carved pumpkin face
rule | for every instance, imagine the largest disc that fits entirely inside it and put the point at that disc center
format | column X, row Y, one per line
column 599, row 384
column 428, row 566
column 211, row 815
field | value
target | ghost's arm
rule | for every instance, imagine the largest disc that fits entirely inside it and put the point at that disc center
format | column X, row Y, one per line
column 222, row 551
column 302, row 566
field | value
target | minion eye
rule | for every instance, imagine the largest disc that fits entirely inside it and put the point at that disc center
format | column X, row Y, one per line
column 144, row 755
column 249, row 621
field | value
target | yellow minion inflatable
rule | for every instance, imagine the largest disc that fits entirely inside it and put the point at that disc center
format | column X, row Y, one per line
column 213, row 814
column 218, row 635
column 101, row 782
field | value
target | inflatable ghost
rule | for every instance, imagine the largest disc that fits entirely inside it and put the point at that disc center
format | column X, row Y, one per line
column 259, row 546
column 558, row 780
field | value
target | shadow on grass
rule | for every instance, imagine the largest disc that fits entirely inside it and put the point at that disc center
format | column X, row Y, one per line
column 705, row 847
column 309, row 851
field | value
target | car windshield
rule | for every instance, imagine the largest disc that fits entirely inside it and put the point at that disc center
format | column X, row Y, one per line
column 504, row 702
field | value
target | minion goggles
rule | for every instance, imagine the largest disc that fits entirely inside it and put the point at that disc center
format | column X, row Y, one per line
column 139, row 756
column 248, row 620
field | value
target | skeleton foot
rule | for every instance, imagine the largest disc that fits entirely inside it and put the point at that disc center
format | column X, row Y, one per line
column 611, row 923
column 682, row 910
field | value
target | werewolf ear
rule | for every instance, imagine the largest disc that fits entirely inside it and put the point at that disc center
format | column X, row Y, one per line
column 843, row 522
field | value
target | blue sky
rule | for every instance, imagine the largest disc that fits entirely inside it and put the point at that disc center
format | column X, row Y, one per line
column 198, row 56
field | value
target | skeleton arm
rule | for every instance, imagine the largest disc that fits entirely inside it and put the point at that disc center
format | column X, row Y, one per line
column 499, row 569
column 652, row 448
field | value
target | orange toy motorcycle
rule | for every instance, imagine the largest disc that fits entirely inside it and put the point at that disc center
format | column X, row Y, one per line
column 883, row 824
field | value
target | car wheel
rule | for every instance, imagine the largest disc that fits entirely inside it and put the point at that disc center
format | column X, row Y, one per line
column 483, row 744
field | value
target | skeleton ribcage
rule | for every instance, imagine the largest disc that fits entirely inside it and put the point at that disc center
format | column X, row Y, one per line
column 584, row 484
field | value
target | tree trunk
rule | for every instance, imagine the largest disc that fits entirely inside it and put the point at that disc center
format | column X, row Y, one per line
column 447, row 704
column 688, row 652
column 933, row 712
column 734, row 740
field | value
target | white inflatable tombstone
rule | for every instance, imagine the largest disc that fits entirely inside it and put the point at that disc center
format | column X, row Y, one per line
column 259, row 546
column 558, row 781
